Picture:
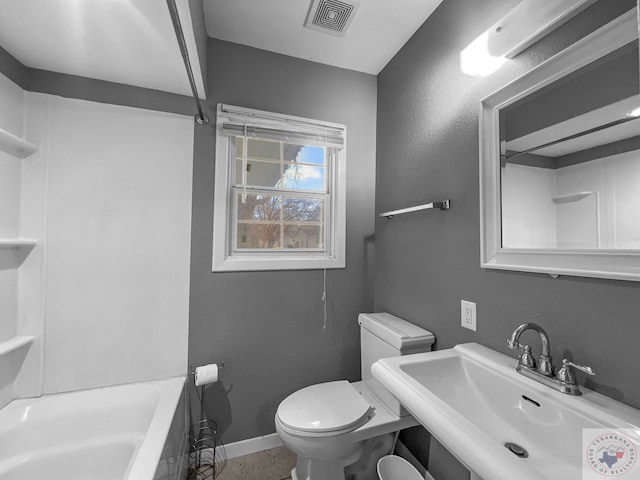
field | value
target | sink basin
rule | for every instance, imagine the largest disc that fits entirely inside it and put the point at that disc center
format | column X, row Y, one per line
column 474, row 402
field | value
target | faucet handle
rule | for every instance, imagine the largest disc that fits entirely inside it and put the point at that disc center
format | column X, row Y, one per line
column 526, row 358
column 513, row 345
column 584, row 368
column 565, row 374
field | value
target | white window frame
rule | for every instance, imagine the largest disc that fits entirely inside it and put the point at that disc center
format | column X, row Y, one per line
column 224, row 258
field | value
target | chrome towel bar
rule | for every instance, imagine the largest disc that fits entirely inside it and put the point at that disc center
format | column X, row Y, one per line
column 443, row 205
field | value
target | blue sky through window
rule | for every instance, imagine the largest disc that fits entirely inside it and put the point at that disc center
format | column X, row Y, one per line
column 311, row 174
column 313, row 155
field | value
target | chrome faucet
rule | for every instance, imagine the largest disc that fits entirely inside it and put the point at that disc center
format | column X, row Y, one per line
column 564, row 380
column 545, row 367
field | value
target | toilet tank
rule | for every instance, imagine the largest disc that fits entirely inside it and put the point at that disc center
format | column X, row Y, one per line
column 383, row 335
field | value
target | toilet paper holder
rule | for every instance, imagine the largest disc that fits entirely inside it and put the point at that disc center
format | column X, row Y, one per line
column 193, row 369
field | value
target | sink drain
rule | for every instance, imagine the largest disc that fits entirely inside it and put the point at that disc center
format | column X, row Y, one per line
column 517, row 450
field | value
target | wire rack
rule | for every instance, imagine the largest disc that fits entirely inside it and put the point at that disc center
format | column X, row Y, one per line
column 206, row 452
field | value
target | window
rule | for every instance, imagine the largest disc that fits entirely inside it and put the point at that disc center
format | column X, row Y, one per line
column 279, row 200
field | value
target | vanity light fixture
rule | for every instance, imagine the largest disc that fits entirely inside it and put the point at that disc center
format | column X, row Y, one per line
column 527, row 23
column 477, row 61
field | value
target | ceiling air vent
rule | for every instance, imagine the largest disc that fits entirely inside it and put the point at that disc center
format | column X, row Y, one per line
column 331, row 16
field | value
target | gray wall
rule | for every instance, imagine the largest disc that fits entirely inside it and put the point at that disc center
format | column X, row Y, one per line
column 13, row 69
column 267, row 326
column 427, row 149
column 83, row 88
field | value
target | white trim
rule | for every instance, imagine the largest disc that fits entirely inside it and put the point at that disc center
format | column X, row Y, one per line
column 249, row 446
column 530, row 21
column 223, row 257
column 613, row 264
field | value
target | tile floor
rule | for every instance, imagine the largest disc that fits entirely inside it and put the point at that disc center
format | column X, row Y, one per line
column 274, row 464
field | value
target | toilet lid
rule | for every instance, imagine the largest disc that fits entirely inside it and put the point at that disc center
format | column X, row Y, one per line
column 325, row 407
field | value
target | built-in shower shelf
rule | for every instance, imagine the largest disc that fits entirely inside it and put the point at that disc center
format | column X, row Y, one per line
column 14, row 251
column 14, row 344
column 26, row 243
column 14, row 145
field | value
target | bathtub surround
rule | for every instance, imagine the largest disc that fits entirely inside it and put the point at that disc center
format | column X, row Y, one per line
column 111, row 209
column 267, row 326
column 21, row 281
column 427, row 141
column 107, row 196
column 117, row 265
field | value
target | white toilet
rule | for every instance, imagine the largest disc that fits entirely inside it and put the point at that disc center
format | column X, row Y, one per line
column 339, row 430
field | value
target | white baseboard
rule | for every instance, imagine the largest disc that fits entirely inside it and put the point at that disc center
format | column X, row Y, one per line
column 249, row 446
column 267, row 442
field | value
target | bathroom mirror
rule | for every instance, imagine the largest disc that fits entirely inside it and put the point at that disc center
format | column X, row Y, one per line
column 560, row 162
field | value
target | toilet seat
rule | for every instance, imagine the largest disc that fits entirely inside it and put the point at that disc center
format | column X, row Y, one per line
column 324, row 409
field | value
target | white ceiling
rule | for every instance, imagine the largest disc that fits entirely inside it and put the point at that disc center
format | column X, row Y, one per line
column 133, row 41
column 379, row 29
column 123, row 41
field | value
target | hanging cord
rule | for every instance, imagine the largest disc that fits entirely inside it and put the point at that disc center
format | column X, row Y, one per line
column 324, row 300
column 201, row 118
column 324, row 280
column 245, row 146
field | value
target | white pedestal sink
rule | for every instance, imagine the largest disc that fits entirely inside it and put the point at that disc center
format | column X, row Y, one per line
column 473, row 401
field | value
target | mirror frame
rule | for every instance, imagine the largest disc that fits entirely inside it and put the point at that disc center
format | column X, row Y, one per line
column 614, row 264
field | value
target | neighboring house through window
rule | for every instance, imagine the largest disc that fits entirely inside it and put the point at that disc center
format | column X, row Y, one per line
column 279, row 200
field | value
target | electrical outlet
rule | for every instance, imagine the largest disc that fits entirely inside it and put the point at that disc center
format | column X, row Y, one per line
column 468, row 315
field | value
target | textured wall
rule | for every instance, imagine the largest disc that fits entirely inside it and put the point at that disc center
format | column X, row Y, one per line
column 267, row 326
column 427, row 149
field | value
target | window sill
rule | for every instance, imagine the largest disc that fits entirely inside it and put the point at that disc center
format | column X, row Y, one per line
column 266, row 263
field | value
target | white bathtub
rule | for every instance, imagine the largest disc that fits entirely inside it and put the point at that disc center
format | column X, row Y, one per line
column 132, row 432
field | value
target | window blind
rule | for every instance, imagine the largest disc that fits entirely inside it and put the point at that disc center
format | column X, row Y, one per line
column 235, row 121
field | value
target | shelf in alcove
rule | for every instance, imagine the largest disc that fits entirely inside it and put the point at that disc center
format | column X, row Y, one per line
column 26, row 243
column 14, row 343
column 14, row 145
column 14, row 251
